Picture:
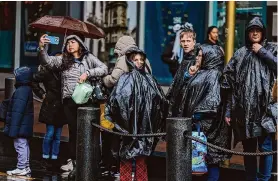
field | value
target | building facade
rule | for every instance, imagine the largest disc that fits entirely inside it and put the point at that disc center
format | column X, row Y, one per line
column 21, row 41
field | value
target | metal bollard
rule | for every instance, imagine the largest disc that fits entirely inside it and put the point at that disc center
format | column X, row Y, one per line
column 88, row 150
column 178, row 155
column 9, row 87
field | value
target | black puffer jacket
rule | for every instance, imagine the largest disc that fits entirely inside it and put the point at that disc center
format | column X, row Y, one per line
column 51, row 110
column 247, row 80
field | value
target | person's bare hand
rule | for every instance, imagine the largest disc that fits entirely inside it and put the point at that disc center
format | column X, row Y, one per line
column 192, row 70
column 228, row 121
column 256, row 47
column 83, row 78
column 44, row 40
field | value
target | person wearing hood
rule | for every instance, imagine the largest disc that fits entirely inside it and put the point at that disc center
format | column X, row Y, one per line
column 121, row 67
column 20, row 119
column 76, row 65
column 135, row 106
column 200, row 100
column 247, row 81
column 51, row 113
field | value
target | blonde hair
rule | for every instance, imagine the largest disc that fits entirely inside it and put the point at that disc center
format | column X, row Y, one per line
column 191, row 34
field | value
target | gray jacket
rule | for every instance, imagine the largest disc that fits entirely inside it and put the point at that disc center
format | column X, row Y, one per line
column 70, row 77
column 122, row 45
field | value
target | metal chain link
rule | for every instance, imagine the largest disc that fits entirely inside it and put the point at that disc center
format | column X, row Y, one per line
column 127, row 134
column 189, row 137
column 230, row 151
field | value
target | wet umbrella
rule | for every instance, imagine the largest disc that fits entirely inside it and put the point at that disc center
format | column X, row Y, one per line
column 68, row 25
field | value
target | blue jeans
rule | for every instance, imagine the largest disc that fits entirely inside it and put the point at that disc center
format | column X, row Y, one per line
column 213, row 172
column 51, row 142
column 250, row 162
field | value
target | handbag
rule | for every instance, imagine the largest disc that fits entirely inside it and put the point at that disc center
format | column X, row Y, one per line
column 199, row 151
column 4, row 109
column 100, row 92
column 82, row 93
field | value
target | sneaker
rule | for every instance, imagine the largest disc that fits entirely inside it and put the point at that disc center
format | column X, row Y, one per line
column 68, row 167
column 20, row 172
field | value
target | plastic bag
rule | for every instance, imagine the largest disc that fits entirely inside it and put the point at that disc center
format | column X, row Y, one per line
column 82, row 93
column 199, row 151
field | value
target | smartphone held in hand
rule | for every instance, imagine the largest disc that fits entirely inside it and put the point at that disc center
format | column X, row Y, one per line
column 53, row 39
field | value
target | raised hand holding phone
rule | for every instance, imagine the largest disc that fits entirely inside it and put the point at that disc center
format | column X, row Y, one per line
column 53, row 39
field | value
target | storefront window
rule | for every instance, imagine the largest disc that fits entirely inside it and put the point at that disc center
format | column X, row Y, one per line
column 33, row 11
column 245, row 11
column 7, row 27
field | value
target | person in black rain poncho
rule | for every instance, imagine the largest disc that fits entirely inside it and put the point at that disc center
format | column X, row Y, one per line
column 136, row 106
column 247, row 81
column 187, row 38
column 200, row 99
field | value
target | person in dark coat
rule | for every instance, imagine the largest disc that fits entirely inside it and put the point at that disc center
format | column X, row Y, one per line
column 188, row 43
column 20, row 119
column 51, row 112
column 247, row 82
column 135, row 106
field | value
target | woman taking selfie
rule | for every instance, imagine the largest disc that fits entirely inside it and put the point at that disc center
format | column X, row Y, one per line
column 77, row 65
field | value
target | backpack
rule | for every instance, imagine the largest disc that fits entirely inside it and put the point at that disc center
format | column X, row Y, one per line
column 4, row 109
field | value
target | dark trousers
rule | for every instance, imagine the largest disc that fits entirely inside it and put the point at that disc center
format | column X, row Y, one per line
column 250, row 162
column 70, row 109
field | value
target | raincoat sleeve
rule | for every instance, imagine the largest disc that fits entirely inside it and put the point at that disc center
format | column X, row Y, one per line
column 269, row 58
column 227, row 83
column 98, row 68
column 51, row 62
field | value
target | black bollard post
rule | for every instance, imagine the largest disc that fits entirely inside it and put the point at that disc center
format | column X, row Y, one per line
column 88, row 139
column 9, row 87
column 178, row 155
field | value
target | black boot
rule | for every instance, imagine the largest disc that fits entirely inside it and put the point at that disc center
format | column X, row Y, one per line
column 72, row 174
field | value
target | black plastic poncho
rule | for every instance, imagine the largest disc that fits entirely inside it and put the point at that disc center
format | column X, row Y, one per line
column 175, row 90
column 248, row 79
column 136, row 106
column 201, row 95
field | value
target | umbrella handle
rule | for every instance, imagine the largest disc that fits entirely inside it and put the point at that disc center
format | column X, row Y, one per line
column 65, row 35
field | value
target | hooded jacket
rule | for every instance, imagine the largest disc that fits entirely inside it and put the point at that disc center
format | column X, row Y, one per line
column 121, row 47
column 136, row 106
column 89, row 63
column 51, row 111
column 247, row 80
column 20, row 114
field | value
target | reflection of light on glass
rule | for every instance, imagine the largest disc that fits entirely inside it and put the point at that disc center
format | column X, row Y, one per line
column 169, row 12
column 162, row 44
column 40, row 9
